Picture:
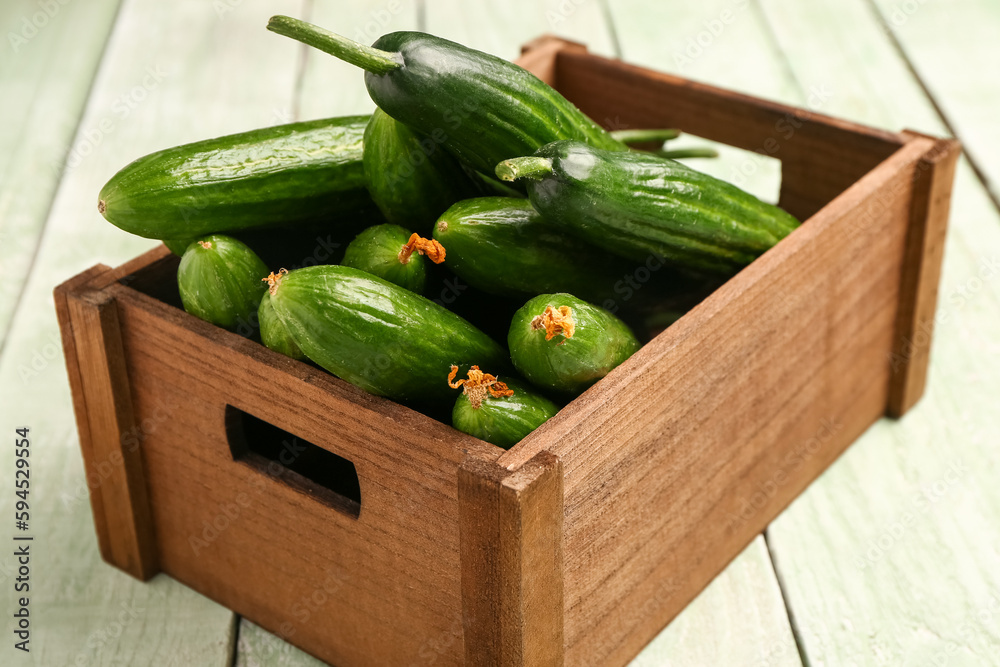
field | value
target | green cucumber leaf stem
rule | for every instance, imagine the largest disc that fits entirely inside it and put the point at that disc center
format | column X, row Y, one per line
column 630, row 137
column 678, row 153
column 367, row 58
column 524, row 167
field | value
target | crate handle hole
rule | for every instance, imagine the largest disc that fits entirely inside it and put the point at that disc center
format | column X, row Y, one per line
column 307, row 468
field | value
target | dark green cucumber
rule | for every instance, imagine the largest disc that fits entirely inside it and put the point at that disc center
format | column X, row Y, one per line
column 221, row 280
column 380, row 337
column 640, row 205
column 571, row 359
column 273, row 332
column 503, row 246
column 377, row 250
column 411, row 178
column 284, row 176
column 484, row 108
column 505, row 420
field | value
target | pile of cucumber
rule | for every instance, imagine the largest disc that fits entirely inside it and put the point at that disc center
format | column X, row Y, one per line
column 473, row 180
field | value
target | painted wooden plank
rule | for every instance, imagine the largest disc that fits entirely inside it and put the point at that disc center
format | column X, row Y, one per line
column 891, row 557
column 740, row 619
column 501, row 28
column 256, row 647
column 951, row 46
column 50, row 58
column 723, row 43
column 173, row 72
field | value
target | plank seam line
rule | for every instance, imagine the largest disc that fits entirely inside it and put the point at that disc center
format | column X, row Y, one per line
column 5, row 333
column 901, row 52
column 796, row 634
column 609, row 19
column 234, row 640
column 300, row 69
column 772, row 37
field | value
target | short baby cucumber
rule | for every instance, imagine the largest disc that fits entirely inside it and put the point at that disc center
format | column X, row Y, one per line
column 501, row 413
column 485, row 109
column 412, row 178
column 378, row 336
column 640, row 205
column 502, row 246
column 221, row 280
column 560, row 342
column 277, row 176
column 395, row 254
column 273, row 332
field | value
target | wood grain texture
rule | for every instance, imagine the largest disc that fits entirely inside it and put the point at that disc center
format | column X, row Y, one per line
column 111, row 448
column 891, row 556
column 511, row 535
column 539, row 56
column 51, row 54
column 924, row 253
column 93, row 613
column 336, row 585
column 734, row 447
column 929, row 35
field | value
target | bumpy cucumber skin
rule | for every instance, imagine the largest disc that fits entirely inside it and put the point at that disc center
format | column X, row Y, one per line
column 273, row 332
column 569, row 365
column 277, row 176
column 412, row 179
column 502, row 246
column 376, row 251
column 222, row 283
column 378, row 336
column 640, row 205
column 503, row 421
column 483, row 108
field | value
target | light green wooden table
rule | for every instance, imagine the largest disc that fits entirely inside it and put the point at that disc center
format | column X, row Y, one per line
column 891, row 558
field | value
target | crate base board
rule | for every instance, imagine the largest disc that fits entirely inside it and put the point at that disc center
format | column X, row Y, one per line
column 581, row 542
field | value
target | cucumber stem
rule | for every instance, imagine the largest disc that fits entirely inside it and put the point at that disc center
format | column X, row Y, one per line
column 630, row 137
column 524, row 167
column 367, row 58
column 688, row 152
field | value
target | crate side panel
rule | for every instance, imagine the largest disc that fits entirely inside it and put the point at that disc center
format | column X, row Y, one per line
column 680, row 456
column 380, row 589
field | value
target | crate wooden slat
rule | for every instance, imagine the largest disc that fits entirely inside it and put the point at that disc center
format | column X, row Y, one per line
column 632, row 498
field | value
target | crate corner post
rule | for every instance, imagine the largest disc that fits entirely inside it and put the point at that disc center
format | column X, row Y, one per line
column 106, row 422
column 933, row 179
column 512, row 568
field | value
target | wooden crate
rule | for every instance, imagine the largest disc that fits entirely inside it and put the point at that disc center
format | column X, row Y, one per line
column 576, row 546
